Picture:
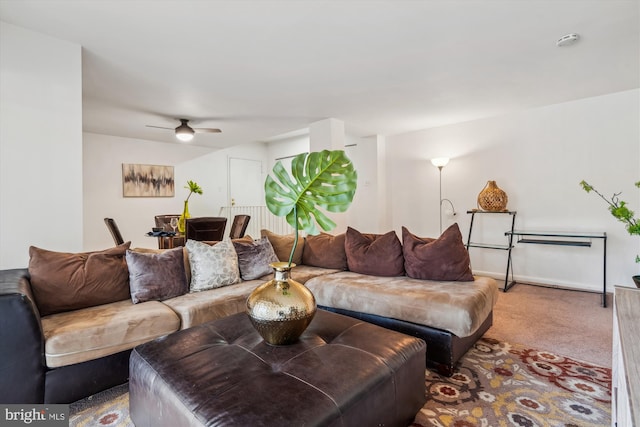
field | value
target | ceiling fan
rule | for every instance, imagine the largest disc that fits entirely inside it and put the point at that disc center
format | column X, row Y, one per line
column 184, row 132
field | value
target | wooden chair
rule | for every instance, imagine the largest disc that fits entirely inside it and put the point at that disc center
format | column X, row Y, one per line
column 114, row 230
column 205, row 228
column 239, row 226
column 164, row 221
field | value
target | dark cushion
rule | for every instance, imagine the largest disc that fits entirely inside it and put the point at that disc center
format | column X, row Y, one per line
column 374, row 254
column 444, row 258
column 325, row 250
column 282, row 245
column 63, row 281
column 254, row 258
column 156, row 276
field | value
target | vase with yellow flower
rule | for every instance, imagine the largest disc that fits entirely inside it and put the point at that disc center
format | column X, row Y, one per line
column 193, row 188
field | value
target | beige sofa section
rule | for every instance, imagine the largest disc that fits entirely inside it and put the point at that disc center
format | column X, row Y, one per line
column 199, row 307
column 89, row 333
column 457, row 307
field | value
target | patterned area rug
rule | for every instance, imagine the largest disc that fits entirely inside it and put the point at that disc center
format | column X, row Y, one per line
column 497, row 384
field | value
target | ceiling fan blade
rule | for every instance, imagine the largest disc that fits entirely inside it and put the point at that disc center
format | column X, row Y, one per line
column 159, row 127
column 206, row 130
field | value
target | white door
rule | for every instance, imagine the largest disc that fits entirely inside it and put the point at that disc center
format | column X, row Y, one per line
column 246, row 185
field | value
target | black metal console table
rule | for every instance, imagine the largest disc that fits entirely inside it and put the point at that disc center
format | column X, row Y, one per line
column 563, row 238
column 507, row 284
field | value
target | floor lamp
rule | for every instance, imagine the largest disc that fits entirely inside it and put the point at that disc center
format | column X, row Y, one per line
column 441, row 162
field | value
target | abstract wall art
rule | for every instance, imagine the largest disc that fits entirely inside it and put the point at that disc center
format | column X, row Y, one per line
column 147, row 180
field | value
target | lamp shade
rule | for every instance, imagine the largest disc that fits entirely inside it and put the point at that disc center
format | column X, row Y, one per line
column 440, row 161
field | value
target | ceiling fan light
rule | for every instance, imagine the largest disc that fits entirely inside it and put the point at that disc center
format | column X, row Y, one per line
column 184, row 133
column 184, row 137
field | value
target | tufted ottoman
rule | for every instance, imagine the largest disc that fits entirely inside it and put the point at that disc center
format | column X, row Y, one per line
column 342, row 372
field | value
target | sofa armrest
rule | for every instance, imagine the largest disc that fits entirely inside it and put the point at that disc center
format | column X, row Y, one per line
column 22, row 366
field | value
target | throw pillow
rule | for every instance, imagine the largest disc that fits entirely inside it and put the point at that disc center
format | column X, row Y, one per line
column 444, row 258
column 156, row 276
column 254, row 258
column 212, row 266
column 282, row 245
column 64, row 281
column 185, row 257
column 325, row 250
column 374, row 254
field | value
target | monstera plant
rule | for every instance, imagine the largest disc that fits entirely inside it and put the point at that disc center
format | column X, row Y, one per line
column 282, row 308
column 324, row 179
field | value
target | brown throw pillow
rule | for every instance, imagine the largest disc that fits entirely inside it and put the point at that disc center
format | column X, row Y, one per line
column 254, row 258
column 64, row 281
column 374, row 254
column 325, row 250
column 445, row 258
column 156, row 276
column 282, row 245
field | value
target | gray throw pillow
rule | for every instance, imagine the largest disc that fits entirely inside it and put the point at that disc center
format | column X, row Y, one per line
column 254, row 258
column 156, row 276
column 212, row 266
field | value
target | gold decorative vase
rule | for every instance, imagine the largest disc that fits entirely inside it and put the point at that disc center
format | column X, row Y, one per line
column 492, row 198
column 281, row 309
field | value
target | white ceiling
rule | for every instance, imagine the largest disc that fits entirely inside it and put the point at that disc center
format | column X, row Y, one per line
column 257, row 69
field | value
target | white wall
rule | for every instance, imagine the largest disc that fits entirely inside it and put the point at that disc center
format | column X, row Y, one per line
column 285, row 149
column 54, row 195
column 538, row 157
column 103, row 158
column 40, row 145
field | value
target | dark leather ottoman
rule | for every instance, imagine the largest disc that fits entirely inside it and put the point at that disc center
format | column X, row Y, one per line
column 342, row 372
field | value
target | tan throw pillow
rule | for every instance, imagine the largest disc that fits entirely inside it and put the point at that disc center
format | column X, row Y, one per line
column 254, row 258
column 374, row 254
column 325, row 250
column 444, row 258
column 282, row 245
column 64, row 281
column 156, row 276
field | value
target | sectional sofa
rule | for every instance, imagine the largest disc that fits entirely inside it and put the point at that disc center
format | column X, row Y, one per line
column 70, row 321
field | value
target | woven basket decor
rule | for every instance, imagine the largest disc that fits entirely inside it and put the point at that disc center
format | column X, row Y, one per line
column 492, row 198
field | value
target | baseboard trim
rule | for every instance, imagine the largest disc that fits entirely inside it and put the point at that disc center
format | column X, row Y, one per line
column 544, row 282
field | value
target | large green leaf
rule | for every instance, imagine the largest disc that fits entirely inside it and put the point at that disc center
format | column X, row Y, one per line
column 324, row 179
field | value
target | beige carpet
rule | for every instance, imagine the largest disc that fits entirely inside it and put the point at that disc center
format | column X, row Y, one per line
column 571, row 323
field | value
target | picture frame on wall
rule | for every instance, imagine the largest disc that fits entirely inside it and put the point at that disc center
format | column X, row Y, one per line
column 147, row 180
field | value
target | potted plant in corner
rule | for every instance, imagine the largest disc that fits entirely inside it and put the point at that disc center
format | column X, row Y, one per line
column 619, row 210
column 281, row 309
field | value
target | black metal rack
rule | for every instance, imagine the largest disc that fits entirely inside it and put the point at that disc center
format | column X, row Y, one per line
column 507, row 284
